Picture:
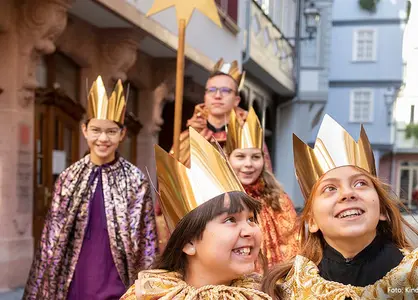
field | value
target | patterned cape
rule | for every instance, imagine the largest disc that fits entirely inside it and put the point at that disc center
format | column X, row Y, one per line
column 130, row 222
column 165, row 285
column 305, row 283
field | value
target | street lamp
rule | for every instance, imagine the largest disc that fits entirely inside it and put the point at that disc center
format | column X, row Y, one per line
column 390, row 97
column 312, row 18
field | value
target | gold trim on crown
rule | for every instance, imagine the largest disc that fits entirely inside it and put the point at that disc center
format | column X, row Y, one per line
column 103, row 108
column 232, row 70
column 250, row 135
column 183, row 189
column 334, row 147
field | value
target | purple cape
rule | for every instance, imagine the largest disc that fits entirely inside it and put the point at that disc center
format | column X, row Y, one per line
column 130, row 224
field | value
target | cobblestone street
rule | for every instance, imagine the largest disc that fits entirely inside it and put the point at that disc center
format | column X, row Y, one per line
column 13, row 295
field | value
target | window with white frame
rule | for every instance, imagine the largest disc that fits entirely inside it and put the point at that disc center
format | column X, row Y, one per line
column 364, row 45
column 361, row 105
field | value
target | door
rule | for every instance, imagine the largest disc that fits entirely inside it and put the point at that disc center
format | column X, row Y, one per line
column 42, row 178
column 56, row 148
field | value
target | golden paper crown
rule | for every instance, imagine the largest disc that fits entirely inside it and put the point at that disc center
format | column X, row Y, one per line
column 334, row 147
column 230, row 69
column 250, row 135
column 183, row 189
column 103, row 108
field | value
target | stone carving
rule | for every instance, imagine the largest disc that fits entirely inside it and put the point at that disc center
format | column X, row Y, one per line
column 119, row 51
column 162, row 94
column 6, row 15
column 164, row 71
column 79, row 42
column 40, row 23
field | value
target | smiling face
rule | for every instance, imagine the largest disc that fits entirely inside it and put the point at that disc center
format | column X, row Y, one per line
column 103, row 138
column 345, row 205
column 228, row 248
column 221, row 95
column 247, row 164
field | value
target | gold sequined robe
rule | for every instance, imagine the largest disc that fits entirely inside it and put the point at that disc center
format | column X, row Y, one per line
column 305, row 283
column 164, row 285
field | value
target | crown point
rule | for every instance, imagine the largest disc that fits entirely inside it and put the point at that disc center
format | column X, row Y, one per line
column 181, row 188
column 334, row 148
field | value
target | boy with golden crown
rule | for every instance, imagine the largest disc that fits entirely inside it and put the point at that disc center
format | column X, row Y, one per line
column 221, row 97
column 278, row 219
column 215, row 238
column 100, row 229
column 355, row 246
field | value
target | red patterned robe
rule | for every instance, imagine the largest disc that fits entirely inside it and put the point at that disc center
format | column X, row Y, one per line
column 280, row 228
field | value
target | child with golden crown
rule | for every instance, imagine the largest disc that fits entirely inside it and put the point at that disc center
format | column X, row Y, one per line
column 355, row 246
column 101, row 227
column 215, row 238
column 277, row 218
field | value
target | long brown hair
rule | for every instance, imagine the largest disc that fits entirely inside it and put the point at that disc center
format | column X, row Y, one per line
column 312, row 244
column 273, row 191
column 192, row 226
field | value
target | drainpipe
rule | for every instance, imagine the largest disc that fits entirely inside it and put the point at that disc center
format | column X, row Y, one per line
column 248, row 37
column 297, row 47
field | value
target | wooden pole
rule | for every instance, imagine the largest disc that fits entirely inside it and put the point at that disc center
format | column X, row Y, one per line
column 179, row 88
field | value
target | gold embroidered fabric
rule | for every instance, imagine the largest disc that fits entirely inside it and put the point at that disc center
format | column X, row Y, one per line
column 399, row 283
column 164, row 285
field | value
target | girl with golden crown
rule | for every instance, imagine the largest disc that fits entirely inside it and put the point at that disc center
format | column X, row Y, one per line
column 215, row 238
column 101, row 227
column 355, row 246
column 244, row 145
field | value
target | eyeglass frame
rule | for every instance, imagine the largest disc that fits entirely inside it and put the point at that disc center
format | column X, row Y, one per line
column 223, row 91
column 109, row 132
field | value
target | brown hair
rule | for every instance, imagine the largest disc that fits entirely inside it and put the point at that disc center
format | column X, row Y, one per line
column 273, row 191
column 312, row 243
column 219, row 73
column 193, row 225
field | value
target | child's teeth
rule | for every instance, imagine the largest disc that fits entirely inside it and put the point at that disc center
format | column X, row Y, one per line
column 243, row 251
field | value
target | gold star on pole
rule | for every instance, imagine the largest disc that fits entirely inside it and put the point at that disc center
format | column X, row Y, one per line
column 184, row 9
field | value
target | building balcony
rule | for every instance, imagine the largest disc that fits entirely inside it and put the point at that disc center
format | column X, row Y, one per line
column 268, row 52
column 159, row 32
column 402, row 144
